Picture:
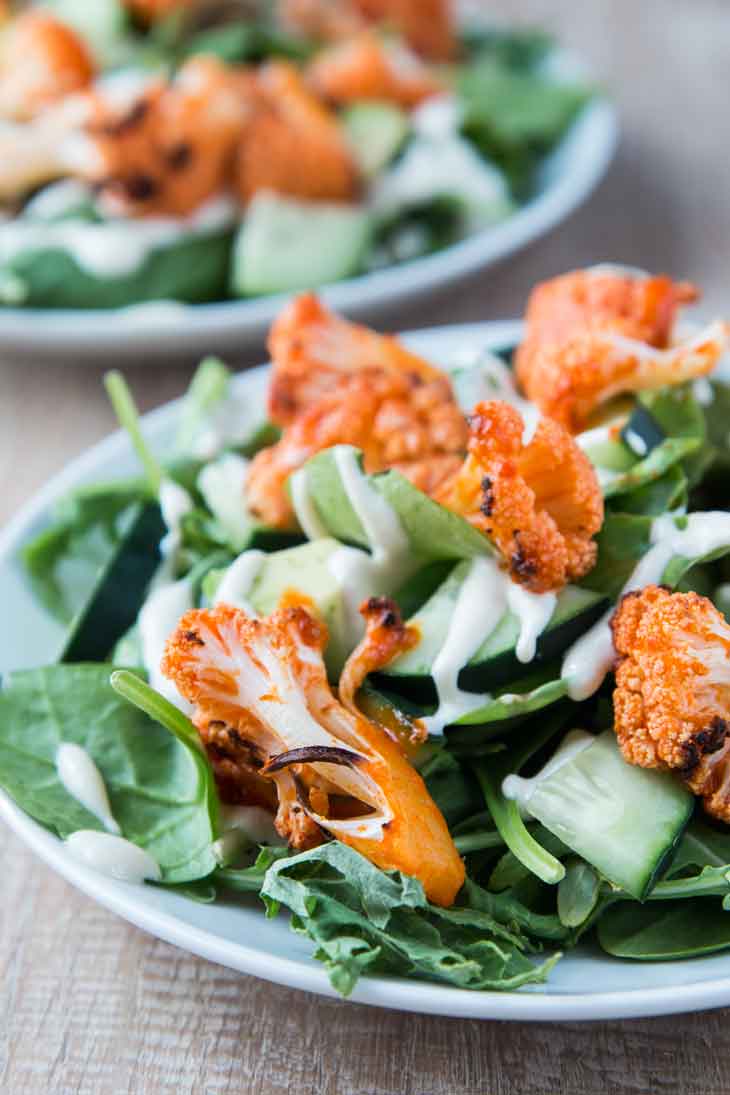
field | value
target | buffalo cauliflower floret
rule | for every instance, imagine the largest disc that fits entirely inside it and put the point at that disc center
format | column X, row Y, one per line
column 672, row 693
column 592, row 335
column 367, row 67
column 41, row 61
column 312, row 349
column 266, row 680
column 169, row 149
column 427, row 25
column 398, row 421
column 539, row 501
column 292, row 143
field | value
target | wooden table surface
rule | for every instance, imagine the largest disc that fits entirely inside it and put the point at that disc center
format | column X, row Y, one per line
column 90, row 1005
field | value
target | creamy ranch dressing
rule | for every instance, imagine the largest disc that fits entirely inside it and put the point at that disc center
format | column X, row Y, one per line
column 360, row 574
column 588, row 661
column 231, row 421
column 432, row 166
column 57, row 199
column 702, row 391
column 113, row 856
column 309, row 520
column 243, row 826
column 158, row 618
column 115, row 248
column 223, row 486
column 438, row 117
column 486, row 591
column 495, row 381
column 82, row 779
column 238, row 581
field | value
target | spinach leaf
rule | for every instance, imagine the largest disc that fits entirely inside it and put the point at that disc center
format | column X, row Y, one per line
column 65, row 560
column 160, row 787
column 578, row 893
column 514, row 117
column 681, row 929
column 367, row 920
column 506, row 814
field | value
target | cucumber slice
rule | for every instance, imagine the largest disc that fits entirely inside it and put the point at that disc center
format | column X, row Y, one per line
column 304, row 570
column 284, row 245
column 376, row 132
column 434, row 532
column 117, row 596
column 495, row 662
column 625, row 821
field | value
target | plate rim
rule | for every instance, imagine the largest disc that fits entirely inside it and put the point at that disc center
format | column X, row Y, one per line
column 165, row 327
column 392, row 993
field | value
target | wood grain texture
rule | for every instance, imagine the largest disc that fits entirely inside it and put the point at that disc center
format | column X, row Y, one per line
column 90, row 1005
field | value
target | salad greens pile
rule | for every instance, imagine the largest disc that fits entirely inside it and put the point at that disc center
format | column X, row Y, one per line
column 588, row 849
column 429, row 177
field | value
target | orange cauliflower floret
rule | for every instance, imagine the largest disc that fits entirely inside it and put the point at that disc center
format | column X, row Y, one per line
column 292, row 143
column 539, row 502
column 153, row 10
column 398, row 421
column 365, row 67
column 427, row 25
column 42, row 61
column 334, row 770
column 672, row 693
column 312, row 349
column 591, row 336
column 169, row 149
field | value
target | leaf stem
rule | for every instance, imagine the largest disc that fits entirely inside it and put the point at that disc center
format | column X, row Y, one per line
column 128, row 415
column 137, row 692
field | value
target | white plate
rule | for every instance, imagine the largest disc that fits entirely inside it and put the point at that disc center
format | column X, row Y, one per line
column 167, row 329
column 585, row 985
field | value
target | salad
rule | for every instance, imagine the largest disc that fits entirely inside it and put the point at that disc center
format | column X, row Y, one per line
column 430, row 654
column 196, row 151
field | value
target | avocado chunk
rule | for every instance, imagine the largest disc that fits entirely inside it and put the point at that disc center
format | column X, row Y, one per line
column 376, row 132
column 284, row 245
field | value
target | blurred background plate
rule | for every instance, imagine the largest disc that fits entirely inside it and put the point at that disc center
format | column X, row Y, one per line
column 166, row 330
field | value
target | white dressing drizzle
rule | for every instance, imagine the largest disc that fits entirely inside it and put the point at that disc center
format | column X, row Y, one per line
column 702, row 391
column 158, row 618
column 114, row 248
column 82, row 779
column 309, row 520
column 175, row 502
column 113, row 856
column 233, row 420
column 485, row 595
column 492, row 379
column 243, row 826
column 521, row 790
column 360, row 574
column 588, row 661
column 222, row 483
column 239, row 579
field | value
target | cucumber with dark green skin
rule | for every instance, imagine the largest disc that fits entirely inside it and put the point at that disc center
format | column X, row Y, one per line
column 495, row 663
column 115, row 600
column 191, row 271
column 624, row 820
